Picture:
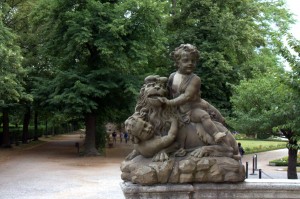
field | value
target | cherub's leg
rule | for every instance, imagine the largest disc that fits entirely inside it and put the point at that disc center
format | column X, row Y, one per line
column 202, row 116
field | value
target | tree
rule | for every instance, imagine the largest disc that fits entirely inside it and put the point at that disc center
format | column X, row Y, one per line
column 267, row 104
column 91, row 48
column 11, row 73
column 15, row 17
column 228, row 34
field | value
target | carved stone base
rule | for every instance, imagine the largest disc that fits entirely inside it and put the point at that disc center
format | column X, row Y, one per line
column 187, row 169
column 249, row 189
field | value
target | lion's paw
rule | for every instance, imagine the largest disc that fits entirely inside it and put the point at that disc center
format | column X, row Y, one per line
column 160, row 157
column 199, row 153
column 180, row 152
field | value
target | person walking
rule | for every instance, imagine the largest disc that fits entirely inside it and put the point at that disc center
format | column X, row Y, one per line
column 126, row 137
column 241, row 150
column 121, row 137
column 114, row 134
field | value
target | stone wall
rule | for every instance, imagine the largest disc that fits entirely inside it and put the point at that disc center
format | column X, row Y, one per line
column 249, row 189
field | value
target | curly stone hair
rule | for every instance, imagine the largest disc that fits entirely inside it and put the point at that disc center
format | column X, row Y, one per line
column 183, row 49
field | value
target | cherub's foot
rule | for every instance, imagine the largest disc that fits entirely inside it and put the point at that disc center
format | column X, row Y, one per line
column 180, row 152
column 219, row 136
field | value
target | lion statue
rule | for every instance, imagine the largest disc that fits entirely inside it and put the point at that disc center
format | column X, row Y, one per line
column 157, row 130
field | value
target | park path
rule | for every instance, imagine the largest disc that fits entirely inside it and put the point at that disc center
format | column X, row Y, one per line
column 54, row 170
column 263, row 159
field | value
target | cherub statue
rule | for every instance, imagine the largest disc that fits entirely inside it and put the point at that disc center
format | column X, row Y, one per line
column 146, row 143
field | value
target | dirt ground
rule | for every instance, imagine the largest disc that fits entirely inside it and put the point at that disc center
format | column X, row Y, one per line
column 52, row 168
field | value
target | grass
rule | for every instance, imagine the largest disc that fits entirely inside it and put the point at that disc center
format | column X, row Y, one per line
column 255, row 146
column 284, row 161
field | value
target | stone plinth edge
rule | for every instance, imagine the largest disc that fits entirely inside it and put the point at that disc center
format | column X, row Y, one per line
column 249, row 189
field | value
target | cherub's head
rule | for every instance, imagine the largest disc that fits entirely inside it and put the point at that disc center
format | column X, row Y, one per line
column 139, row 129
column 185, row 57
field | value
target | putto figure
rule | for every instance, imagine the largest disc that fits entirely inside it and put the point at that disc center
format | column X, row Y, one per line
column 184, row 89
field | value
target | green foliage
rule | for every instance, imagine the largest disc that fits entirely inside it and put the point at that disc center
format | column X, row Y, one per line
column 256, row 146
column 11, row 72
column 96, row 49
column 263, row 103
column 231, row 36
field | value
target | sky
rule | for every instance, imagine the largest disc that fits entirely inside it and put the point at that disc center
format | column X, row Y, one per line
column 294, row 7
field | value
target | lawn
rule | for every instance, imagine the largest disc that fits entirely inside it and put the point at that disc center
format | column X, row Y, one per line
column 255, row 146
column 284, row 161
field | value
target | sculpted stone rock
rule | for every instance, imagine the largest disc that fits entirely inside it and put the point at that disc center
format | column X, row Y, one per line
column 179, row 137
column 184, row 170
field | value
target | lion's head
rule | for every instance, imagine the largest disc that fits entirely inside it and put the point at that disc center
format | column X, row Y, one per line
column 154, row 86
column 148, row 106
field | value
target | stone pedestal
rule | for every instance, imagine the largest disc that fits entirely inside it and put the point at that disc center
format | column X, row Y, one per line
column 249, row 189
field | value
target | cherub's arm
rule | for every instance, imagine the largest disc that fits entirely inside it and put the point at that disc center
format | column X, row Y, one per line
column 172, row 133
column 132, row 155
column 167, row 143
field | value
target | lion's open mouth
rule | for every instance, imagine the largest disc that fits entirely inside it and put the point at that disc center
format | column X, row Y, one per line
column 154, row 96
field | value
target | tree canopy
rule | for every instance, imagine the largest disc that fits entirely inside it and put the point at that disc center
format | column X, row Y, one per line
column 84, row 58
column 11, row 76
column 229, row 35
column 267, row 105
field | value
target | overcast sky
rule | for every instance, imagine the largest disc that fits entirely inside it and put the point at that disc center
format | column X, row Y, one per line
column 294, row 6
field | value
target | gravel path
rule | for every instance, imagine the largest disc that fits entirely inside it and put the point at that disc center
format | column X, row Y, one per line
column 268, row 172
column 53, row 170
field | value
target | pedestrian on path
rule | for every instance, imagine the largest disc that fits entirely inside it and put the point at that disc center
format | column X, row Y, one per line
column 126, row 137
column 241, row 150
column 121, row 137
column 114, row 134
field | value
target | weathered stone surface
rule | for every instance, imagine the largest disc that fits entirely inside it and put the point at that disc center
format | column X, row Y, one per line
column 203, row 164
column 143, row 171
column 186, row 177
column 249, row 189
column 174, row 177
column 167, row 191
column 187, row 166
column 144, row 175
column 163, row 170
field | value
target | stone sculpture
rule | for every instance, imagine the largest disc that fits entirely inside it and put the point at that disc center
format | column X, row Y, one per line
column 179, row 137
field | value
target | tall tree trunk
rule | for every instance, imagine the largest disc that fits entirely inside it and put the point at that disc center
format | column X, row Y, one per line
column 26, row 120
column 90, row 128
column 35, row 137
column 292, row 161
column 46, row 127
column 6, row 137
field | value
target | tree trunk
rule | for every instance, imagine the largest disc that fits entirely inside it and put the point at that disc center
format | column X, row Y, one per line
column 6, row 137
column 292, row 162
column 90, row 128
column 26, row 120
column 46, row 128
column 35, row 137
